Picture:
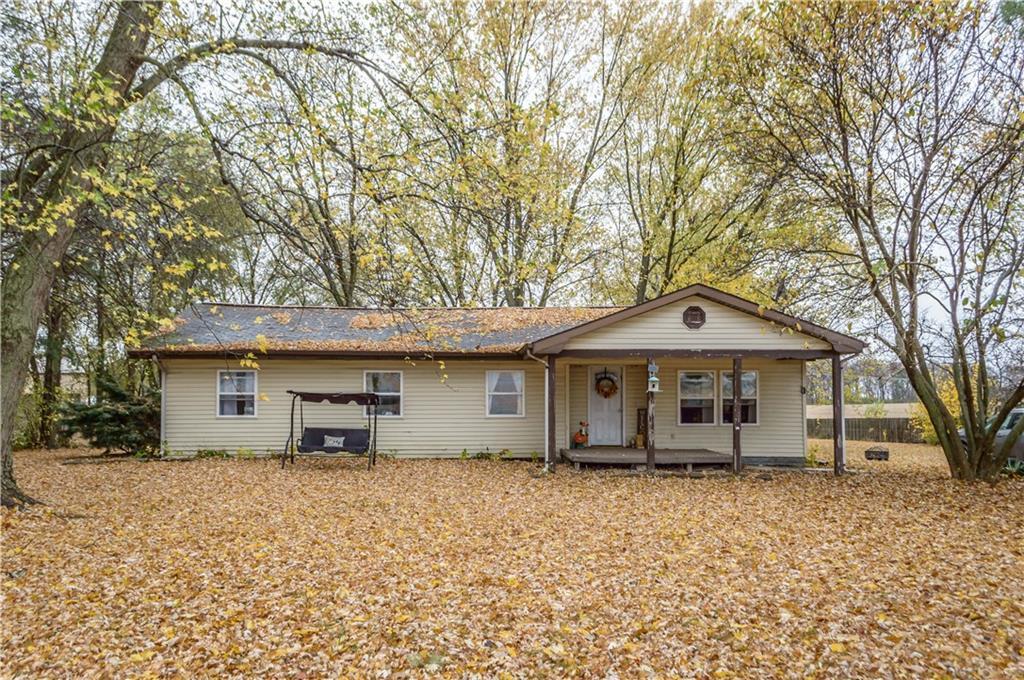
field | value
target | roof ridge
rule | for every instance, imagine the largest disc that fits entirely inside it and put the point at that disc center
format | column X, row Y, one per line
column 395, row 309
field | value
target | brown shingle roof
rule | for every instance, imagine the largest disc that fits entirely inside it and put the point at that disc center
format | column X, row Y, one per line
column 211, row 328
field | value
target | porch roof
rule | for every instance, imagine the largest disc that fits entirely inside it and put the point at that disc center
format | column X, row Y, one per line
column 557, row 342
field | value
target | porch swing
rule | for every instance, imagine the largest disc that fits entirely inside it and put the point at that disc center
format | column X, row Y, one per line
column 334, row 440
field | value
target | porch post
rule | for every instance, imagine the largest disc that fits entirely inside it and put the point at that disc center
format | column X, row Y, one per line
column 650, row 423
column 838, row 419
column 737, row 375
column 551, row 453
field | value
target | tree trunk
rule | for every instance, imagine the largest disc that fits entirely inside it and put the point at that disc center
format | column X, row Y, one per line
column 643, row 280
column 100, row 311
column 51, row 374
column 60, row 180
column 25, row 294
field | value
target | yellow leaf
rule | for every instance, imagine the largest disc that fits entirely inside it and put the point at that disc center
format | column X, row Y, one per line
column 837, row 647
column 554, row 651
column 139, row 657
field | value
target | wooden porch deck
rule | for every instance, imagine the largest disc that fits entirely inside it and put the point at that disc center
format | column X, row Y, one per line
column 618, row 455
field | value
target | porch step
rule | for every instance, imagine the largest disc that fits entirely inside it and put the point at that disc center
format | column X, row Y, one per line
column 616, row 455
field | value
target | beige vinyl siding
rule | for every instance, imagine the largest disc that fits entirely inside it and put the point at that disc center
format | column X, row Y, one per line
column 562, row 426
column 725, row 328
column 579, row 384
column 438, row 419
column 636, row 396
column 780, row 431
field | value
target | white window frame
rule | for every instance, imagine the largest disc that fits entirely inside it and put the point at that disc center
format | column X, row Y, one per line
column 255, row 393
column 714, row 398
column 488, row 393
column 757, row 396
column 401, row 392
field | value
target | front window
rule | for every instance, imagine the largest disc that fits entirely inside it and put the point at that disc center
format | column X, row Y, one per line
column 505, row 393
column 696, row 397
column 387, row 385
column 748, row 397
column 236, row 393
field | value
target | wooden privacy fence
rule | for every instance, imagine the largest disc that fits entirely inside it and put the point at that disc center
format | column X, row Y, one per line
column 867, row 429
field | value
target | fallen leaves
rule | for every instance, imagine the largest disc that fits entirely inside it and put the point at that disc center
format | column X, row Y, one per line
column 501, row 330
column 232, row 567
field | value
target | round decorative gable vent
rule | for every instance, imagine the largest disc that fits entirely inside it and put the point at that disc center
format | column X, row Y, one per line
column 694, row 317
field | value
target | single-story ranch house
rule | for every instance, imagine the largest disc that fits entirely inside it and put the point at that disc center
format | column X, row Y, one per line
column 653, row 383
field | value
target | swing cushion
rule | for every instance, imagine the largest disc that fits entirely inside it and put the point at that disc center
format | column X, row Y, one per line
column 354, row 440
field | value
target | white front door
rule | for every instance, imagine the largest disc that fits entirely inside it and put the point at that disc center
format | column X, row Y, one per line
column 605, row 412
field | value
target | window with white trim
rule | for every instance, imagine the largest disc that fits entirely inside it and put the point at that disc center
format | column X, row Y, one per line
column 505, row 393
column 236, row 394
column 388, row 385
column 748, row 397
column 696, row 397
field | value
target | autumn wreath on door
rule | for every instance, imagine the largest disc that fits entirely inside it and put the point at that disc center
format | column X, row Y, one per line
column 606, row 384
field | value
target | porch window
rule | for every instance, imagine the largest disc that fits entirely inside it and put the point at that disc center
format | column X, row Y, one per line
column 748, row 397
column 387, row 385
column 505, row 393
column 696, row 397
column 236, row 394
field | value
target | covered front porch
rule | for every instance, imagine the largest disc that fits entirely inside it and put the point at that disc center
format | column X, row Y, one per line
column 637, row 409
column 695, row 375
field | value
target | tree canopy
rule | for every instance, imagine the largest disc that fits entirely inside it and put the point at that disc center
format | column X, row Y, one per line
column 867, row 155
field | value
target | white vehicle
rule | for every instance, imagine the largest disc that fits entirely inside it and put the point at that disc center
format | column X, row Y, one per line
column 1016, row 458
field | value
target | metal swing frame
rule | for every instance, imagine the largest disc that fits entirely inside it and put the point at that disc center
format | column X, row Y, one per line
column 369, row 399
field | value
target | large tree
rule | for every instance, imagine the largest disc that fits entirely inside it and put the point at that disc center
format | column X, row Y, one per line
column 490, row 191
column 58, row 125
column 902, row 123
column 685, row 210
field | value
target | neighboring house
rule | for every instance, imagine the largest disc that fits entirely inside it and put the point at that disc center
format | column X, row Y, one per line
column 514, row 380
column 73, row 384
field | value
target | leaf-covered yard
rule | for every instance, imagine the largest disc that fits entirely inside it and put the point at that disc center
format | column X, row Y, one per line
column 236, row 567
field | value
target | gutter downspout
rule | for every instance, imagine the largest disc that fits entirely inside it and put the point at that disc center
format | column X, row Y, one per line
column 548, row 455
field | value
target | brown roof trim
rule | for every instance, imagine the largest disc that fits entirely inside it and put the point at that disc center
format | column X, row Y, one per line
column 396, row 310
column 845, row 344
column 313, row 354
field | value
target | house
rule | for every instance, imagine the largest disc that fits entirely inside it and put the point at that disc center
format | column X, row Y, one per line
column 516, row 380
